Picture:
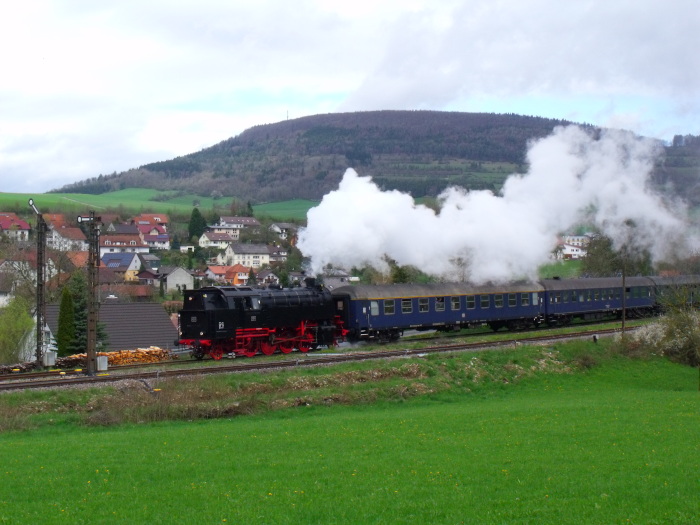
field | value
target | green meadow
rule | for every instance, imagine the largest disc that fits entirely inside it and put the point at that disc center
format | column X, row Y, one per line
column 140, row 200
column 559, row 435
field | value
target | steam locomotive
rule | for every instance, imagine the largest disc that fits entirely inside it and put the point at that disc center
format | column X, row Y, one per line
column 246, row 321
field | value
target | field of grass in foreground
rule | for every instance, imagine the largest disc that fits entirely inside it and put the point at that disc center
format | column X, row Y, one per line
column 615, row 444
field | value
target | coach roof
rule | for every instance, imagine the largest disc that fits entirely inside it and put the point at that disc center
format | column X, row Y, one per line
column 395, row 291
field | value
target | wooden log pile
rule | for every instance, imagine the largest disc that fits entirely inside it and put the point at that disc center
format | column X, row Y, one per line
column 152, row 354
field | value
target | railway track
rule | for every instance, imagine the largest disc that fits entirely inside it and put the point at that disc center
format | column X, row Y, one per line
column 78, row 378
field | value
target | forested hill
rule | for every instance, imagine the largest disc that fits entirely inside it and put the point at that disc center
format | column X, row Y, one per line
column 417, row 151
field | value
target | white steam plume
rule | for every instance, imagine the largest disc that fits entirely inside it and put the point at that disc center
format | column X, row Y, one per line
column 573, row 178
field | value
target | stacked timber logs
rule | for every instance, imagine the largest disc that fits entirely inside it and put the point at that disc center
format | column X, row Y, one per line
column 152, row 354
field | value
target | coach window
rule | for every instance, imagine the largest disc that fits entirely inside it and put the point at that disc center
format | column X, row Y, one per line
column 498, row 300
column 485, row 302
column 389, row 307
column 525, row 299
column 406, row 306
column 471, row 302
column 456, row 303
column 374, row 307
column 439, row 304
column 423, row 305
column 512, row 300
column 565, row 297
column 574, row 296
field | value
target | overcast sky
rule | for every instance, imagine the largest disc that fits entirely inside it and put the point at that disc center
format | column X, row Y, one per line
column 93, row 87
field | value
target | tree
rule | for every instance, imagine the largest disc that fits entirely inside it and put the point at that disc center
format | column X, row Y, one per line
column 66, row 323
column 78, row 287
column 197, row 225
column 251, row 277
column 602, row 260
column 15, row 323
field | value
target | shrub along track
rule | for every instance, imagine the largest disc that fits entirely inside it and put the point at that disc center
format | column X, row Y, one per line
column 78, row 378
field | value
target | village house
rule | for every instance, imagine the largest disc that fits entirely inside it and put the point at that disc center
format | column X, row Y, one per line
column 284, row 230
column 277, row 254
column 266, row 277
column 149, row 261
column 116, row 243
column 124, row 264
column 159, row 220
column 215, row 240
column 13, row 227
column 216, row 273
column 66, row 238
column 233, row 225
column 237, row 275
column 122, row 229
column 250, row 255
column 176, row 278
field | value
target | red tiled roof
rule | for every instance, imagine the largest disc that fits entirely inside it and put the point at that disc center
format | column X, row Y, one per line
column 10, row 223
column 74, row 234
column 218, row 270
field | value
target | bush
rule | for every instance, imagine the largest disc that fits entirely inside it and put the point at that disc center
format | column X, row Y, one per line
column 676, row 336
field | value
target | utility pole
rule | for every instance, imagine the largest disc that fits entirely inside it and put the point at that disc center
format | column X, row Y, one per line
column 41, row 229
column 93, row 305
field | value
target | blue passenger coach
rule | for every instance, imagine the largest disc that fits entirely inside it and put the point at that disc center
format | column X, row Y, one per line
column 383, row 312
column 596, row 298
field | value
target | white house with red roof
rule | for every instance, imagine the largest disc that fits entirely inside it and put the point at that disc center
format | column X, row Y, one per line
column 216, row 273
column 14, row 227
column 215, row 240
column 66, row 238
column 122, row 243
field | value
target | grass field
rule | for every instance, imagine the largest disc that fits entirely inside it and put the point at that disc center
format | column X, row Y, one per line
column 137, row 200
column 614, row 443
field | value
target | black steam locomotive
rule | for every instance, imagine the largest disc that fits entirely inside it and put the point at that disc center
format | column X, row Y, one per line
column 246, row 321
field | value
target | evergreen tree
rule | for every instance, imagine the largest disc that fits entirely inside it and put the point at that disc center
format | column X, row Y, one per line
column 197, row 225
column 78, row 287
column 251, row 278
column 66, row 323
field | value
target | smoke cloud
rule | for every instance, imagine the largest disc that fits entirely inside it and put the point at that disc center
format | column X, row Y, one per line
column 574, row 178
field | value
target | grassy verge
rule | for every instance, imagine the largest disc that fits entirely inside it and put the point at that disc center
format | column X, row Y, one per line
column 564, row 434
